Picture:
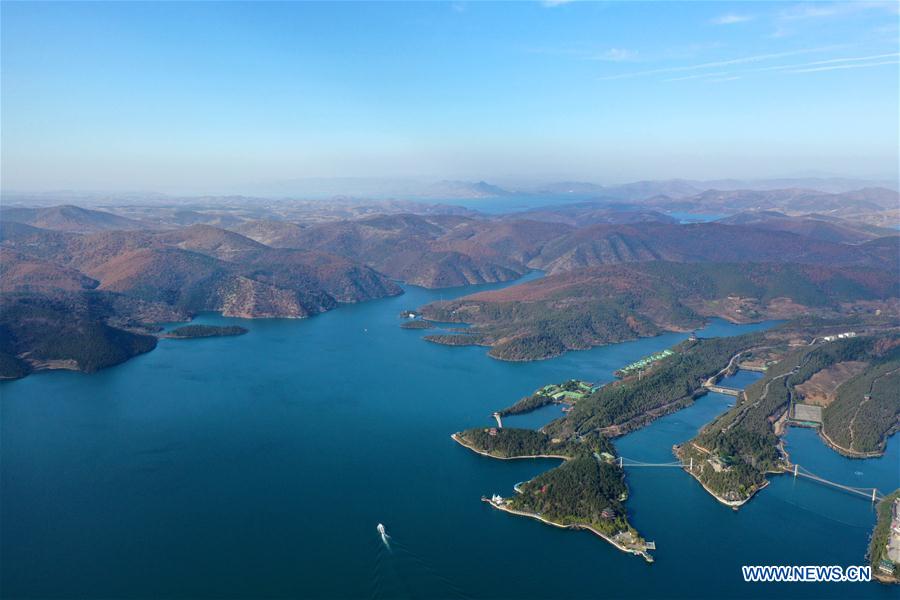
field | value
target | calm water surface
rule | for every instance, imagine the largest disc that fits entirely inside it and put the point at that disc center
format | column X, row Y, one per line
column 259, row 466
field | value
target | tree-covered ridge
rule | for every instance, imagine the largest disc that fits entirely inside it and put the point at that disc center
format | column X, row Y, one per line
column 568, row 392
column 527, row 404
column 881, row 534
column 416, row 324
column 586, row 490
column 672, row 383
column 867, row 408
column 201, row 331
column 609, row 304
column 68, row 329
column 733, row 453
column 578, row 492
column 509, row 442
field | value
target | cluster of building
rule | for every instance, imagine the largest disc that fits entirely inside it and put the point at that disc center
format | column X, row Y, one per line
column 840, row 336
column 570, row 391
column 647, row 361
column 892, row 554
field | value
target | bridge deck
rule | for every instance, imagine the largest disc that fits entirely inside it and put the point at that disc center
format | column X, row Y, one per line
column 871, row 493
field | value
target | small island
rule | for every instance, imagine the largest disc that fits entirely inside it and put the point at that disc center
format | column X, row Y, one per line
column 204, row 331
column 416, row 324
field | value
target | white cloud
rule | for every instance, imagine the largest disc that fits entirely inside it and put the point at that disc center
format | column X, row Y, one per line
column 849, row 62
column 834, row 60
column 789, row 19
column 719, row 63
column 555, row 3
column 731, row 19
column 847, row 66
column 616, row 55
column 699, row 76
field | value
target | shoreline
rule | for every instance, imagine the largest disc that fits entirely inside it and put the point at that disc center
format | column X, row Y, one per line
column 847, row 453
column 707, row 320
column 574, row 526
column 455, row 437
column 733, row 504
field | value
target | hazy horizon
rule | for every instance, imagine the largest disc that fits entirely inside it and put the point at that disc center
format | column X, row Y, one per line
column 222, row 97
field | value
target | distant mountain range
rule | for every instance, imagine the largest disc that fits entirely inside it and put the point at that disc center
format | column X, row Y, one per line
column 69, row 218
column 357, row 189
column 680, row 188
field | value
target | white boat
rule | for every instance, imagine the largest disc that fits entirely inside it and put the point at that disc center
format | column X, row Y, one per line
column 384, row 535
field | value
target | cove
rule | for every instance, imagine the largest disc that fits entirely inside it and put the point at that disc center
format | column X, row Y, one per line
column 260, row 466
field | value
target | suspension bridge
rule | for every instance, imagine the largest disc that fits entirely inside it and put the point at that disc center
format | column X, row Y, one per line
column 870, row 493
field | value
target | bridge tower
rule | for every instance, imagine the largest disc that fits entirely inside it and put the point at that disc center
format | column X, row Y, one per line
column 874, row 492
column 795, row 469
column 620, row 462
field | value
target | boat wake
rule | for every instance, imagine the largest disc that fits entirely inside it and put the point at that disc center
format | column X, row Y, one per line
column 400, row 572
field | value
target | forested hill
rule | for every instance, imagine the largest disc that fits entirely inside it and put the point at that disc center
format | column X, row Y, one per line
column 736, row 451
column 672, row 383
column 602, row 305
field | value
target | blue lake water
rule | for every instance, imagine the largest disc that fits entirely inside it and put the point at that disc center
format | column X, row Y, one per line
column 741, row 379
column 518, row 202
column 690, row 217
column 259, row 466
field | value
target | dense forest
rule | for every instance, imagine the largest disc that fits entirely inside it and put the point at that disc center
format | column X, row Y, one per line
column 454, row 339
column 602, row 305
column 673, row 380
column 416, row 324
column 71, row 328
column 12, row 367
column 529, row 331
column 867, row 407
column 509, row 442
column 201, row 331
column 881, row 534
column 527, row 404
column 736, row 450
column 567, row 392
column 577, row 492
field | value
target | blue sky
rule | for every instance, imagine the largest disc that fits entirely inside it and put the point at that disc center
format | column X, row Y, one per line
column 210, row 96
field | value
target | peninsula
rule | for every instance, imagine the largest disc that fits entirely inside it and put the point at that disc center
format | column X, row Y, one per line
column 884, row 546
column 854, row 376
column 586, row 491
column 595, row 306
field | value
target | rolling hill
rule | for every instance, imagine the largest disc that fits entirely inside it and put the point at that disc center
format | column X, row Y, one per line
column 68, row 218
column 602, row 305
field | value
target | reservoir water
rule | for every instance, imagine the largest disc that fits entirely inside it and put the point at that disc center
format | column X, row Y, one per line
column 259, row 466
